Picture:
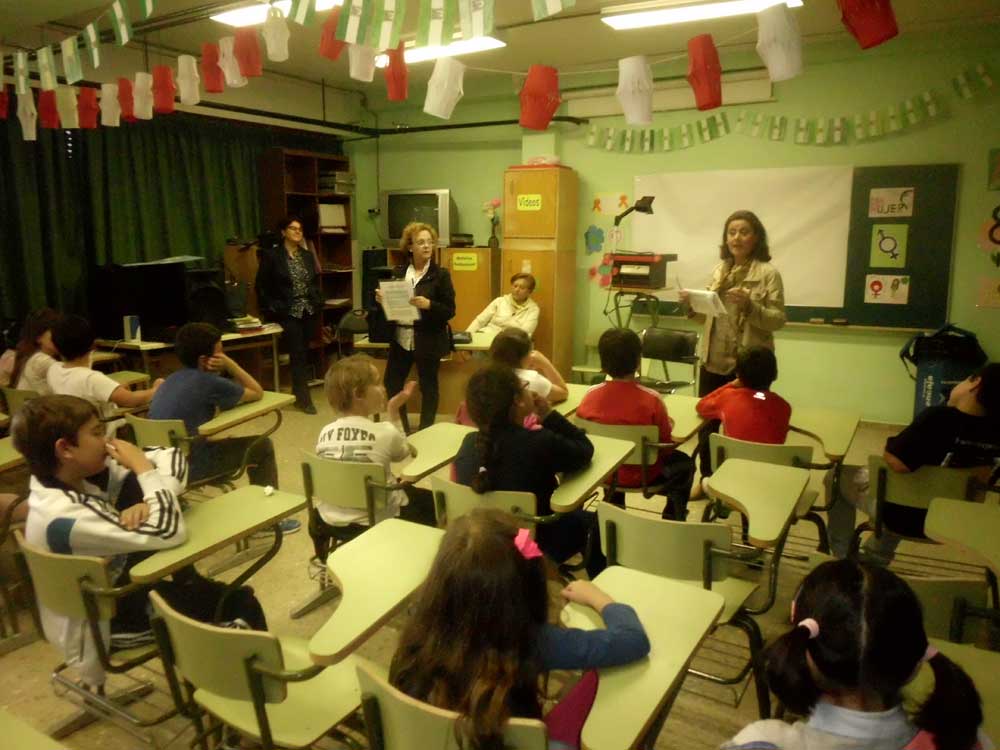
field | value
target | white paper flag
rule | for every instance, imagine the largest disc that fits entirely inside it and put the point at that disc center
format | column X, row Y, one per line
column 21, row 72
column 46, row 68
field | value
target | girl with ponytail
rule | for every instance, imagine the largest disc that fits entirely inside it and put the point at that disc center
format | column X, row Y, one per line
column 857, row 639
column 504, row 455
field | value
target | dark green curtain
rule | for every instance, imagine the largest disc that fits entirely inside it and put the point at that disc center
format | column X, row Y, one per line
column 176, row 185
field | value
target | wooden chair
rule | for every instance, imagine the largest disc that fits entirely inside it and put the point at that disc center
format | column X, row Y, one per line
column 589, row 372
column 395, row 721
column 694, row 553
column 15, row 398
column 262, row 686
column 665, row 345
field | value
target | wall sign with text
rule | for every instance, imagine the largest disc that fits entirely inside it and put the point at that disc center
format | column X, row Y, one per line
column 529, row 202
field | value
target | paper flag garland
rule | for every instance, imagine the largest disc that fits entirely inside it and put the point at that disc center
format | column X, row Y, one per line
column 387, row 23
column 779, row 42
column 93, row 39
column 211, row 73
column 355, row 21
column 444, row 88
column 275, row 32
column 70, row 60
column 69, row 116
column 545, row 8
column 301, row 12
column 475, row 18
column 436, row 23
column 120, row 22
column 21, row 73
column 111, row 110
column 396, row 75
column 146, row 8
column 246, row 50
column 635, row 89
column 28, row 115
column 704, row 72
column 539, row 97
column 87, row 108
column 164, row 89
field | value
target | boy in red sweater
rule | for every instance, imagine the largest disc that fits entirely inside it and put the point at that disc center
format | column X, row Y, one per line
column 747, row 408
column 621, row 400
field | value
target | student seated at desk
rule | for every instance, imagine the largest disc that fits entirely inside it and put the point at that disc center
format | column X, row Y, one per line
column 856, row 639
column 963, row 433
column 198, row 391
column 504, row 455
column 107, row 498
column 74, row 340
column 480, row 642
column 512, row 347
column 35, row 353
column 621, row 400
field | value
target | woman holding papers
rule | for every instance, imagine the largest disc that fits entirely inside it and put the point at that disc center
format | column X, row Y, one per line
column 752, row 294
column 425, row 340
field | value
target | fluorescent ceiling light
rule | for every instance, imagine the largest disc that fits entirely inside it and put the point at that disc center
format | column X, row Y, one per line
column 663, row 12
column 252, row 15
column 413, row 54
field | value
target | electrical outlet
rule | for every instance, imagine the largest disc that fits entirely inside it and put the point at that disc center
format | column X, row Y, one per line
column 374, row 211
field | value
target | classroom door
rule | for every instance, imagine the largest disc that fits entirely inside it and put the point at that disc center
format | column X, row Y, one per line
column 530, row 206
column 541, row 265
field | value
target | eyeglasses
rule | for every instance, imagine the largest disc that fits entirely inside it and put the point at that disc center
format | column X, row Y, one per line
column 293, row 228
column 423, row 243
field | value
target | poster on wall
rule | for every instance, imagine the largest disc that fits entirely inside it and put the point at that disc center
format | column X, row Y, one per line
column 887, row 290
column 886, row 203
column 888, row 248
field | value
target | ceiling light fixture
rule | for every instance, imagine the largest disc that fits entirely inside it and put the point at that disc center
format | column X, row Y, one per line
column 252, row 15
column 663, row 12
column 413, row 54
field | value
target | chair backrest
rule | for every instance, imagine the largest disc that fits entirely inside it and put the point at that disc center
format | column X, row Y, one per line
column 404, row 723
column 635, row 433
column 937, row 597
column 670, row 344
column 452, row 500
column 343, row 483
column 57, row 577
column 916, row 489
column 353, row 323
column 16, row 398
column 212, row 658
column 164, row 433
column 784, row 455
column 674, row 549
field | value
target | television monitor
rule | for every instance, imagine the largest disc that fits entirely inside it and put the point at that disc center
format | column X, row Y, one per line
column 400, row 207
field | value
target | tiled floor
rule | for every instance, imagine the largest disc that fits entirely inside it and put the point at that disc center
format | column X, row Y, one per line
column 703, row 716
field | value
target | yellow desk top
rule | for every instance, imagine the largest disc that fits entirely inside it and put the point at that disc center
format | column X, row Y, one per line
column 19, row 734
column 9, row 458
column 677, row 617
column 217, row 523
column 269, row 329
column 567, row 407
column 974, row 527
column 4, row 419
column 376, row 573
column 128, row 378
column 833, row 428
column 681, row 409
column 241, row 413
column 481, row 341
column 765, row 493
column 435, row 446
column 609, row 454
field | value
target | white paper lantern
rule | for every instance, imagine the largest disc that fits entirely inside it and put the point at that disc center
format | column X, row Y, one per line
column 275, row 32
column 635, row 90
column 69, row 115
column 188, row 80
column 28, row 115
column 111, row 110
column 779, row 42
column 142, row 95
column 229, row 64
column 444, row 88
column 362, row 62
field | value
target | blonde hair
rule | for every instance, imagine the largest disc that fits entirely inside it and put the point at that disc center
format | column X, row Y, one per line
column 410, row 232
column 347, row 378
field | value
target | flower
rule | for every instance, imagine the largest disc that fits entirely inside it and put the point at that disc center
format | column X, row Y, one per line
column 490, row 209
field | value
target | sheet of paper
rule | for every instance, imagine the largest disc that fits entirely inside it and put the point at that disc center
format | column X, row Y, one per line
column 396, row 297
column 705, row 302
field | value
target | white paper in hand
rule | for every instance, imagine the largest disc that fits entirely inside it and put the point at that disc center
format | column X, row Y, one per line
column 705, row 303
column 396, row 296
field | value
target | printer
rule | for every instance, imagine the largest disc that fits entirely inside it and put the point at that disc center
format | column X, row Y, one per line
column 642, row 270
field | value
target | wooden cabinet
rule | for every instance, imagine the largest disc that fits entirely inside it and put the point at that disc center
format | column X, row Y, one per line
column 540, row 203
column 475, row 272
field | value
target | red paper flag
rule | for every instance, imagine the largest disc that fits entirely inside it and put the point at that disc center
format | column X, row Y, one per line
column 164, row 89
column 87, row 108
column 539, row 97
column 211, row 74
column 126, row 100
column 48, row 115
column 396, row 75
column 329, row 46
column 246, row 50
column 705, row 72
column 870, row 21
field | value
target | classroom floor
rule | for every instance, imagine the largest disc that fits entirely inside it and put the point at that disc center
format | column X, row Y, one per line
column 703, row 716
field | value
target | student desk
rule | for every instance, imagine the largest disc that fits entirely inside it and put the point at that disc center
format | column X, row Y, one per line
column 376, row 573
column 681, row 409
column 9, row 458
column 633, row 700
column 609, row 454
column 4, row 420
column 572, row 402
column 972, row 526
column 834, row 429
column 435, row 447
column 21, row 735
column 269, row 402
column 128, row 378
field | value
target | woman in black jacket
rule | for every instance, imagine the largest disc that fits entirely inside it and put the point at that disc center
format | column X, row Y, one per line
column 427, row 340
column 288, row 293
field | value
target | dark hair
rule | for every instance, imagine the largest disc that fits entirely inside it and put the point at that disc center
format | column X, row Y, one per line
column 283, row 224
column 349, row 377
column 489, row 397
column 72, row 336
column 196, row 340
column 510, row 346
column 471, row 644
column 41, row 422
column 871, row 639
column 35, row 325
column 761, row 251
column 988, row 391
column 756, row 367
column 621, row 352
column 527, row 277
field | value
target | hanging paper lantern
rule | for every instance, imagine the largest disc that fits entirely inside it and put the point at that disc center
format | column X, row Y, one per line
column 275, row 32
column 87, row 108
column 142, row 96
column 246, row 50
column 396, row 75
column 444, row 88
column 69, row 117
column 111, row 108
column 28, row 115
column 211, row 73
column 229, row 64
column 163, row 89
column 329, row 46
column 48, row 113
column 870, row 21
column 188, row 80
column 126, row 100
column 705, row 72
column 362, row 62
column 539, row 97
column 635, row 90
column 4, row 101
column 779, row 42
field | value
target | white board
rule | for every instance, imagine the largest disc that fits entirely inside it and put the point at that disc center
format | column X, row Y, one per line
column 806, row 211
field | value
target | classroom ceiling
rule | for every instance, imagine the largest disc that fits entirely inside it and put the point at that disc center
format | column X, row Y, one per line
column 573, row 40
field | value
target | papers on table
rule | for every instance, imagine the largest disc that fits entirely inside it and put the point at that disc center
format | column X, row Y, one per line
column 396, row 296
column 706, row 303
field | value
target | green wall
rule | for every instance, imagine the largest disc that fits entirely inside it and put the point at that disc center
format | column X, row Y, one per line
column 821, row 367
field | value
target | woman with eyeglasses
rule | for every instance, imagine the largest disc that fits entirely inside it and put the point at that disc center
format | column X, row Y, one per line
column 288, row 293
column 424, row 342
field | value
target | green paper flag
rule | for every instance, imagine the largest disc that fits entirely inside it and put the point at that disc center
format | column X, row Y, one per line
column 46, row 68
column 802, row 129
column 355, row 21
column 545, row 8
column 610, row 140
column 627, row 145
column 93, row 38
column 476, row 18
column 146, row 8
column 436, row 27
column 120, row 22
column 860, row 133
column 704, row 131
column 388, row 24
column 301, row 12
column 666, row 139
column 778, row 127
column 71, row 60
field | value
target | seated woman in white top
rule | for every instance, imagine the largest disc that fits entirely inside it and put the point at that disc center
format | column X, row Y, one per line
column 516, row 309
column 35, row 353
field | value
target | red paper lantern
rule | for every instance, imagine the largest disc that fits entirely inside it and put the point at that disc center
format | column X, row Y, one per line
column 4, row 101
column 48, row 115
column 126, row 100
column 164, row 89
column 870, row 21
column 539, row 97
column 87, row 108
column 212, row 76
column 329, row 46
column 246, row 50
column 705, row 72
column 396, row 75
